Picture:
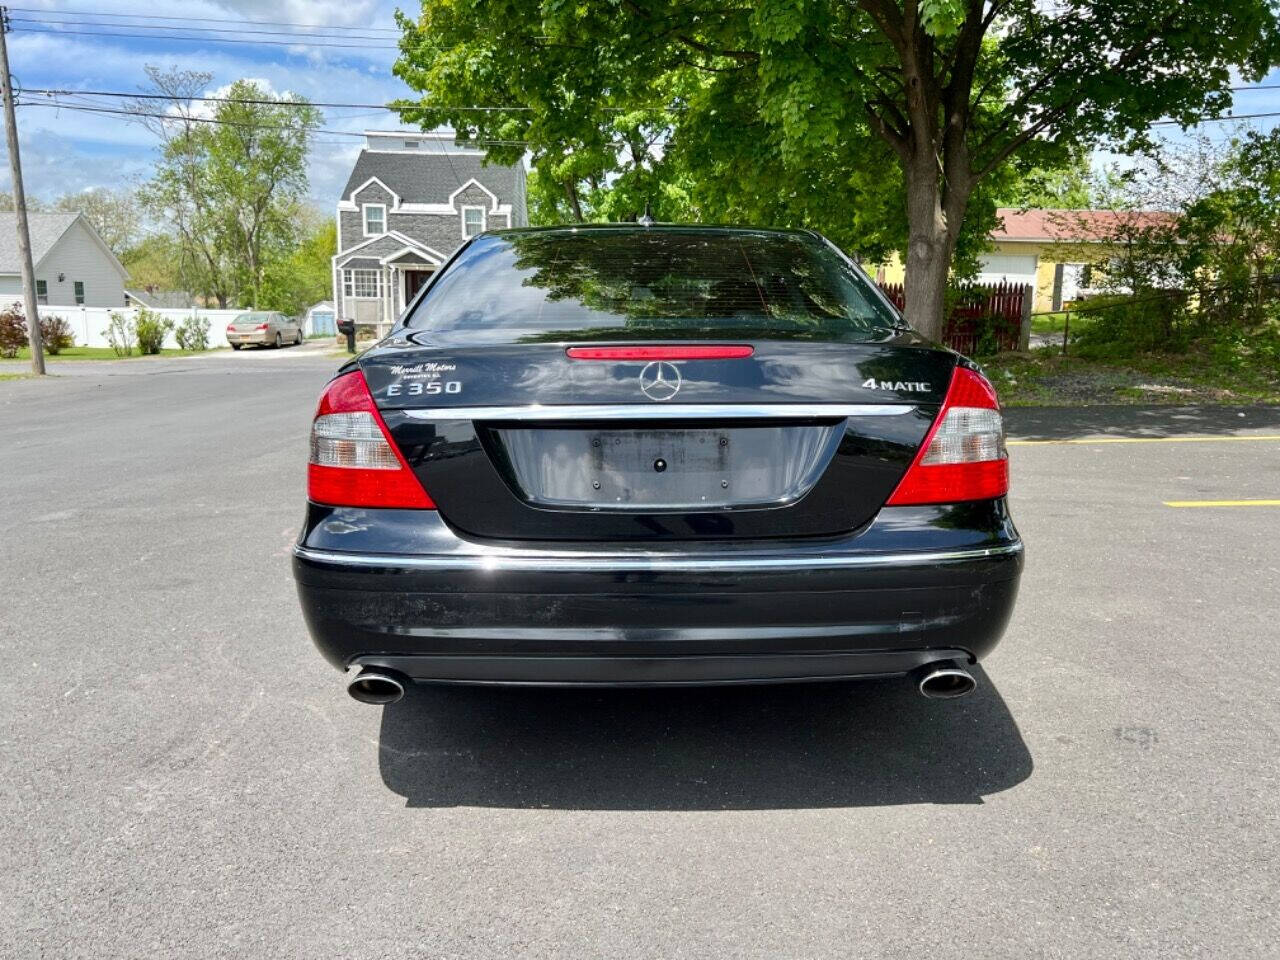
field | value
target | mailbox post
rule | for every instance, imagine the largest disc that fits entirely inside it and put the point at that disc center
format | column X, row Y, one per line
column 348, row 328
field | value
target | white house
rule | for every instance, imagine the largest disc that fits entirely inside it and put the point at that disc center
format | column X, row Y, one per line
column 74, row 267
column 411, row 200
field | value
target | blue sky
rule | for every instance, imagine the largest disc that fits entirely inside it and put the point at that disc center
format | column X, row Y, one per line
column 65, row 151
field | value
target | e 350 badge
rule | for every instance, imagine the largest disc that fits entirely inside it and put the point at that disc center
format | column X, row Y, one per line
column 423, row 379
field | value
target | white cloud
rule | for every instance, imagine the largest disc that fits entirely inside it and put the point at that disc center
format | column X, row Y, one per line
column 64, row 150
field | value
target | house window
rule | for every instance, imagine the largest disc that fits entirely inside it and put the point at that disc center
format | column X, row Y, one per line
column 411, row 144
column 375, row 219
column 472, row 221
column 42, row 291
column 362, row 284
column 79, row 285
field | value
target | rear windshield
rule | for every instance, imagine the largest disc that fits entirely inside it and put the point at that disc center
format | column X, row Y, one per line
column 655, row 284
column 252, row 318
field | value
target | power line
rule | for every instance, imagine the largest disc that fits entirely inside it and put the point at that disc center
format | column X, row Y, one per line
column 402, row 108
column 301, row 42
column 326, row 34
column 181, row 118
column 144, row 16
column 394, row 108
column 184, row 118
column 1206, row 119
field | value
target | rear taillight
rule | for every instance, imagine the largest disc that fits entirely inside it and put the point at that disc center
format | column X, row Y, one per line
column 261, row 326
column 353, row 461
column 963, row 457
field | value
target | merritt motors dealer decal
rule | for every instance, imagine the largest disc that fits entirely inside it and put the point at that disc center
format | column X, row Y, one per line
column 424, row 379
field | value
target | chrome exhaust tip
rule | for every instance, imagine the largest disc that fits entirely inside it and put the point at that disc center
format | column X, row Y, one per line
column 376, row 686
column 946, row 680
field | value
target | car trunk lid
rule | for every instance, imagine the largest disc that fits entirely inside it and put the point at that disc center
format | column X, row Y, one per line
column 527, row 442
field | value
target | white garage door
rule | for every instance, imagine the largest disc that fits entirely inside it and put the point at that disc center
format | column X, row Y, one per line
column 1007, row 267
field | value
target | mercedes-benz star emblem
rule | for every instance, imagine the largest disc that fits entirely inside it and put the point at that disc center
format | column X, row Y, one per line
column 660, row 380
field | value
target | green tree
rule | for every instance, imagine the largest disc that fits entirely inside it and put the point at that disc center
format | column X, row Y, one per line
column 115, row 214
column 1069, row 186
column 157, row 261
column 305, row 277
column 227, row 183
column 828, row 112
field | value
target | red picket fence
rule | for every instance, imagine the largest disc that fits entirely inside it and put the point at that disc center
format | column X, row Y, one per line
column 977, row 308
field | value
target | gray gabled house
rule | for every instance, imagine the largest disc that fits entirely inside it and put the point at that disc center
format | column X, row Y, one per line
column 410, row 202
column 74, row 266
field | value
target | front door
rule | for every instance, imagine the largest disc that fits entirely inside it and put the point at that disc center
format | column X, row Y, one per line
column 413, row 281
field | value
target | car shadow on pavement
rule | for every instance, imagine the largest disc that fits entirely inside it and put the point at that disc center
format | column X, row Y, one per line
column 870, row 743
column 1068, row 423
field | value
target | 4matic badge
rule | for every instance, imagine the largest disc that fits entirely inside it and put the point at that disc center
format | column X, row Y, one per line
column 897, row 386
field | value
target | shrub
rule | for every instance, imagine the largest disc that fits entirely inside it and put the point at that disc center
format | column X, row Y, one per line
column 193, row 334
column 13, row 331
column 151, row 329
column 1125, row 326
column 120, row 334
column 56, row 335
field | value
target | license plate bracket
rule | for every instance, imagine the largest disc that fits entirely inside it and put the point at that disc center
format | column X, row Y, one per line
column 668, row 468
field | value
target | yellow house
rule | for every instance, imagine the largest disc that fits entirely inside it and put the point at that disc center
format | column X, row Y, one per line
column 1055, row 251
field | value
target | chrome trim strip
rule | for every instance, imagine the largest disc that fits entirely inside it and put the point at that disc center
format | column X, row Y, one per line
column 661, row 411
column 549, row 561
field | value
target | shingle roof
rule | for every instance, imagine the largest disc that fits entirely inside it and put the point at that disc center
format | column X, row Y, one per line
column 1074, row 226
column 429, row 177
column 45, row 228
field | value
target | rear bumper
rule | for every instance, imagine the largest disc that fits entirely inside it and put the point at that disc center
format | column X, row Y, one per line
column 878, row 603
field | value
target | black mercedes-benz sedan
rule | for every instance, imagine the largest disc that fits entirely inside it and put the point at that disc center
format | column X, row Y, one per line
column 635, row 455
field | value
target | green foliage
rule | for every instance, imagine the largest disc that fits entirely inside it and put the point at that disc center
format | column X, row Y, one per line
column 1069, row 186
column 302, row 279
column 160, row 262
column 791, row 113
column 1204, row 270
column 228, row 190
column 13, row 331
column 1123, row 326
column 151, row 328
column 120, row 333
column 56, row 335
column 193, row 334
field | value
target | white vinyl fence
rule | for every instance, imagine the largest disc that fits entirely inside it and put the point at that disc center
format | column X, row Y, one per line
column 89, row 324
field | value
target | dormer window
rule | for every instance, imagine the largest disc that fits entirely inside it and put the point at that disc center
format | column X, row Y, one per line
column 473, row 221
column 375, row 219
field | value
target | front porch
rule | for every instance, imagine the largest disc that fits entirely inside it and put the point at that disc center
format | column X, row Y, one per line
column 375, row 290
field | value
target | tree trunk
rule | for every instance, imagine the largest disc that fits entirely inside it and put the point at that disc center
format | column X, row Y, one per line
column 571, row 191
column 930, row 243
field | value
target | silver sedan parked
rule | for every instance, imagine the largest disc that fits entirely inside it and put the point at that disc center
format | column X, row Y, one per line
column 264, row 328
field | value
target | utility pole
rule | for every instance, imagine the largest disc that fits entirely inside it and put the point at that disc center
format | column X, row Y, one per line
column 20, row 204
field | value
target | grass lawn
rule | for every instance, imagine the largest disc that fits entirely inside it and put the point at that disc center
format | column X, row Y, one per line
column 1045, row 378
column 101, row 353
column 15, row 376
column 1048, row 324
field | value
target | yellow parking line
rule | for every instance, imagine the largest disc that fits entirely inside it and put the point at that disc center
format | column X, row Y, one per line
column 1222, row 503
column 1042, row 443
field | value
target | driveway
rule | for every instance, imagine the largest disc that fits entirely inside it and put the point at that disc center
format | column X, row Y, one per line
column 183, row 775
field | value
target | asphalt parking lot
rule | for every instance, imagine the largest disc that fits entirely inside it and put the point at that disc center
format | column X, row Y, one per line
column 183, row 776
